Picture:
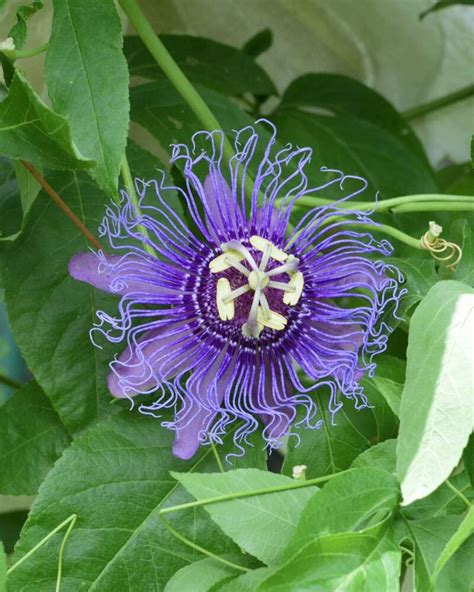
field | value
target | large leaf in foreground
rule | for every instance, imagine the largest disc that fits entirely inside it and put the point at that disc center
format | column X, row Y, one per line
column 261, row 525
column 32, row 439
column 436, row 415
column 29, row 130
column 50, row 313
column 115, row 477
column 87, row 81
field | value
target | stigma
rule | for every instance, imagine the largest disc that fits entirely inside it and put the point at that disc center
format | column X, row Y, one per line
column 258, row 273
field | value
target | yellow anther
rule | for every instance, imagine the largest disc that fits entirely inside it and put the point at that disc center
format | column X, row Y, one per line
column 225, row 308
column 297, row 282
column 221, row 262
column 274, row 320
column 261, row 244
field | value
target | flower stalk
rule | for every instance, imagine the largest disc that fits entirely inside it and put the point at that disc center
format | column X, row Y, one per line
column 173, row 72
column 61, row 204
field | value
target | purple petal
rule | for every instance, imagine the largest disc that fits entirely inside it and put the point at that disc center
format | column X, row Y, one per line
column 206, row 387
column 159, row 354
column 124, row 275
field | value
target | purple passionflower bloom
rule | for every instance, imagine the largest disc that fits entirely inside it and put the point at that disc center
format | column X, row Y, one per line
column 223, row 314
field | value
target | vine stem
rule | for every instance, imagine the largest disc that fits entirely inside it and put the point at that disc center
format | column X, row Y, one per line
column 241, row 494
column 217, row 457
column 20, row 54
column 434, row 206
column 436, row 104
column 390, row 205
column 6, row 380
column 70, row 522
column 173, row 72
column 394, row 233
column 197, row 547
column 64, row 207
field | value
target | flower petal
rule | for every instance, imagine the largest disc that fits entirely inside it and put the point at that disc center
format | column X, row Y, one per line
column 124, row 275
column 206, row 391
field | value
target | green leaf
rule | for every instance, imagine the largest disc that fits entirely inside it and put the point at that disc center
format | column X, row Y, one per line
column 115, row 477
column 259, row 43
column 442, row 4
column 436, row 409
column 430, row 537
column 344, row 562
column 204, row 61
column 443, row 501
column 334, row 446
column 29, row 130
column 261, row 525
column 200, row 576
column 348, row 503
column 87, row 79
column 381, row 456
column 463, row 532
column 19, row 31
column 32, row 439
column 356, row 147
column 344, row 96
column 3, row 570
column 50, row 313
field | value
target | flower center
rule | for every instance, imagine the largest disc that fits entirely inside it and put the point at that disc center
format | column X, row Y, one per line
column 257, row 277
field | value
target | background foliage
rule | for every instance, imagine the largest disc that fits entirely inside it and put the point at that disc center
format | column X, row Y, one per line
column 347, row 82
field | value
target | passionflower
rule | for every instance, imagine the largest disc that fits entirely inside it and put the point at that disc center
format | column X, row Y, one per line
column 230, row 313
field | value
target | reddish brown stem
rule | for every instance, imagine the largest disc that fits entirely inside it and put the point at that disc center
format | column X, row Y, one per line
column 65, row 208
